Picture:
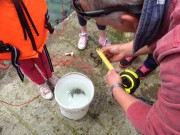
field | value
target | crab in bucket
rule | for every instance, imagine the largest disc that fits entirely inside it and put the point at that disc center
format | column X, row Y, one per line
column 76, row 91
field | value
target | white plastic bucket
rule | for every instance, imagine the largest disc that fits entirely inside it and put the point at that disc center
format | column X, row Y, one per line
column 74, row 106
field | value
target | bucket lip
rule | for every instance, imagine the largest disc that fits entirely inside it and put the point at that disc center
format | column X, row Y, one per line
column 67, row 74
column 76, row 109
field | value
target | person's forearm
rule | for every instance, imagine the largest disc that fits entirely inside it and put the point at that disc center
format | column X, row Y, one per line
column 128, row 49
column 142, row 51
column 124, row 99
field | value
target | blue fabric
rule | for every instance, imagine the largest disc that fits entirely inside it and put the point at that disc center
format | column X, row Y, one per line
column 150, row 62
column 151, row 22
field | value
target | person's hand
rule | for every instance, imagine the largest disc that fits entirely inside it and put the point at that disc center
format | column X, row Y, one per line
column 113, row 77
column 4, row 66
column 117, row 52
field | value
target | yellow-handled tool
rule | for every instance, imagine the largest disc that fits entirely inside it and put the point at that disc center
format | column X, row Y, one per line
column 104, row 59
column 130, row 80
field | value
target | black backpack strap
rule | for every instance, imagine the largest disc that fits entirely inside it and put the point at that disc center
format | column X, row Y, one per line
column 48, row 24
column 49, row 59
column 15, row 53
column 22, row 12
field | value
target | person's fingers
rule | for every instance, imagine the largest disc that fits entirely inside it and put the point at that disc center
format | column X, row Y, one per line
column 110, row 49
column 117, row 71
column 127, row 17
column 3, row 66
column 114, row 52
column 106, row 52
column 109, row 56
column 116, row 58
column 130, row 19
column 113, row 71
column 116, row 49
column 110, row 72
column 105, row 49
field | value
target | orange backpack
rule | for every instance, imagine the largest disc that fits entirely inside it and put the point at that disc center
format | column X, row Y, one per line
column 23, row 29
column 27, row 34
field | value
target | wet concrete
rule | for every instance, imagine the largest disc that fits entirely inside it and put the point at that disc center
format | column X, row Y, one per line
column 43, row 117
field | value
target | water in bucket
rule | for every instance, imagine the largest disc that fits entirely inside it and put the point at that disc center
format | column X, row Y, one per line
column 70, row 97
column 74, row 93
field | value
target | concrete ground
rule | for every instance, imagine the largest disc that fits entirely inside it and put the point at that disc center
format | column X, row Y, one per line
column 43, row 117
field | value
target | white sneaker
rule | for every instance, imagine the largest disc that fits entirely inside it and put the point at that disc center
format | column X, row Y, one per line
column 53, row 80
column 83, row 41
column 104, row 43
column 45, row 91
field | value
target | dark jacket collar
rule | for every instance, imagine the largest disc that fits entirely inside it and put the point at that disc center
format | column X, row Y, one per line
column 151, row 21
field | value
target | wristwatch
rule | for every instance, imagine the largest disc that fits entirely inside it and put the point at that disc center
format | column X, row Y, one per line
column 114, row 86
